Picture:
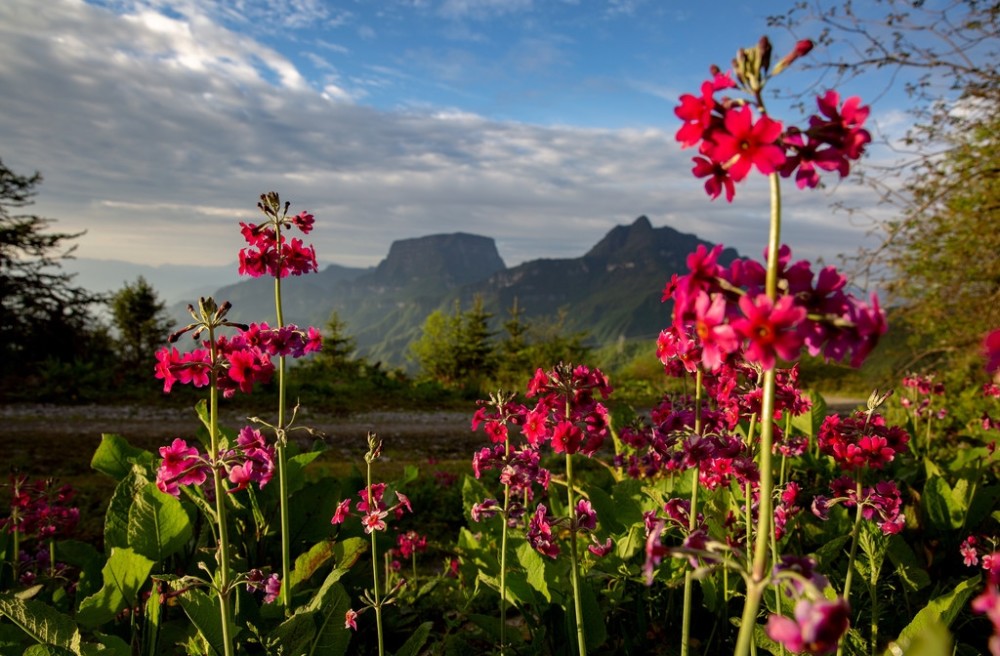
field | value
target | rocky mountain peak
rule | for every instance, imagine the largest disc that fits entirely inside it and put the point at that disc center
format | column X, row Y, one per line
column 448, row 259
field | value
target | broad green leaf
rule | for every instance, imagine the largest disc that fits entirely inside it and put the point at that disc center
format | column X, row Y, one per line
column 345, row 554
column 533, row 564
column 46, row 650
column 158, row 525
column 933, row 640
column 124, row 574
column 309, row 562
column 984, row 501
column 115, row 456
column 332, row 636
column 116, row 518
column 42, row 622
column 809, row 423
column 946, row 507
column 296, row 470
column 628, row 507
column 413, row 645
column 604, row 505
column 111, row 645
column 204, row 613
column 295, row 634
column 87, row 559
column 908, row 568
column 829, row 551
column 940, row 610
column 595, row 633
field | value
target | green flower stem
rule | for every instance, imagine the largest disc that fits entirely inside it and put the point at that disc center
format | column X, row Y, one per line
column 225, row 575
column 759, row 569
column 692, row 523
column 377, row 595
column 280, row 452
column 503, row 558
column 855, row 538
column 577, row 601
column 15, row 560
column 873, row 593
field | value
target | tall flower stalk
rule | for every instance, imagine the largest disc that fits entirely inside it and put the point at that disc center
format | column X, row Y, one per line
column 225, row 573
column 760, row 314
column 692, row 524
column 374, row 513
column 273, row 254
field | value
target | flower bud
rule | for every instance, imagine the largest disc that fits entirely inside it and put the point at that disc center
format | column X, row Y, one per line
column 801, row 49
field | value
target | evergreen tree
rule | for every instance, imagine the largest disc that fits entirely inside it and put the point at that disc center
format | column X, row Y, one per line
column 338, row 354
column 43, row 315
column 142, row 326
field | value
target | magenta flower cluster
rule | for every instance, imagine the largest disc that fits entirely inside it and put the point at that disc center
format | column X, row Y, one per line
column 567, row 415
column 271, row 253
column 252, row 461
column 860, row 441
column 732, row 141
column 374, row 513
column 242, row 361
column 39, row 509
column 722, row 312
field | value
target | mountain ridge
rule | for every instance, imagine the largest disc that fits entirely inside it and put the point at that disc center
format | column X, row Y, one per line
column 610, row 292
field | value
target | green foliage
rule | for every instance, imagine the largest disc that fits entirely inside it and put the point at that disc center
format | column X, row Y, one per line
column 43, row 315
column 142, row 326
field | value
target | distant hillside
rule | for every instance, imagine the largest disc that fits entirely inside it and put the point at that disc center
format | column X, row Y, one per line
column 610, row 292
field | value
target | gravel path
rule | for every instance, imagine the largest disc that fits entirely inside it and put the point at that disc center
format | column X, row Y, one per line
column 44, row 438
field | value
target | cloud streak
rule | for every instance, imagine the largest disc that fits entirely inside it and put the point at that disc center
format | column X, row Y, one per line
column 156, row 133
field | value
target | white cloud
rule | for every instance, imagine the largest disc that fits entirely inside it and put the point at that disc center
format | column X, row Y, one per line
column 157, row 135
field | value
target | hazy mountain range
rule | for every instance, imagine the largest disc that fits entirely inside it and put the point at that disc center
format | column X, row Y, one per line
column 611, row 292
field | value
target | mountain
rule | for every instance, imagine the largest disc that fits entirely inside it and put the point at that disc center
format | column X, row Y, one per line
column 610, row 292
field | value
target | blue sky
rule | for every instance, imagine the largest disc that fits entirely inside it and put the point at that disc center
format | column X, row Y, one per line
column 541, row 123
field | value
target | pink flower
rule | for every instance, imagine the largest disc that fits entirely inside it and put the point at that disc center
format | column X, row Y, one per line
column 342, row 512
column 718, row 178
column 745, row 144
column 271, row 585
column 696, row 112
column 816, row 628
column 991, row 348
column 351, row 619
column 599, row 549
column 988, row 602
column 718, row 339
column 567, row 437
column 841, row 127
column 770, row 328
column 970, row 556
column 585, row 515
column 374, row 521
column 304, row 222
column 182, row 465
column 535, row 428
column 539, row 533
column 488, row 508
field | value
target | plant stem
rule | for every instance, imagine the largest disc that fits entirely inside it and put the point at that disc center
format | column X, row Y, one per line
column 855, row 538
column 577, row 601
column 503, row 558
column 225, row 577
column 282, row 442
column 759, row 569
column 378, row 600
column 692, row 522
